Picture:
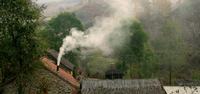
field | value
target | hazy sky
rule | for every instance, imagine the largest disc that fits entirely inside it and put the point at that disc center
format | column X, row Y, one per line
column 49, row 1
column 54, row 6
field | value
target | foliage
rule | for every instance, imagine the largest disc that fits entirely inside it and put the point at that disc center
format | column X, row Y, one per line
column 170, row 44
column 96, row 64
column 170, row 50
column 57, row 29
column 18, row 41
column 190, row 10
column 136, row 56
column 174, row 35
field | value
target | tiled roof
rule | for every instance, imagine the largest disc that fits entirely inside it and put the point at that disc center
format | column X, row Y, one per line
column 61, row 73
column 137, row 86
column 64, row 61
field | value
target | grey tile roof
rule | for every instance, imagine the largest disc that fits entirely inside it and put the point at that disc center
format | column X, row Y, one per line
column 64, row 61
column 137, row 86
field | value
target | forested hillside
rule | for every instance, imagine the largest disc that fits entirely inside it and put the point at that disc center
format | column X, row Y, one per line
column 143, row 39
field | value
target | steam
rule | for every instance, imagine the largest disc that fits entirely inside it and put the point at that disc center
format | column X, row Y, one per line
column 97, row 36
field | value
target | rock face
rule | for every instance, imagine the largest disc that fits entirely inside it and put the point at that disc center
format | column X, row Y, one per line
column 44, row 81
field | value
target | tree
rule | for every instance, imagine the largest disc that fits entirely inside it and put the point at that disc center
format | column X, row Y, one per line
column 96, row 64
column 136, row 55
column 18, row 42
column 58, row 28
column 191, row 25
column 188, row 17
column 170, row 50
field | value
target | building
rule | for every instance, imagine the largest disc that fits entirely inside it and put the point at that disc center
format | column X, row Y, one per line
column 65, row 72
column 139, row 86
column 64, row 63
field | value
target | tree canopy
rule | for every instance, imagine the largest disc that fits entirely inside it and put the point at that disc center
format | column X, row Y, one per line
column 19, row 48
column 59, row 27
column 136, row 53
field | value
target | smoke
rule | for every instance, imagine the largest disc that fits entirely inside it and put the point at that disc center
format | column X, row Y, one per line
column 98, row 36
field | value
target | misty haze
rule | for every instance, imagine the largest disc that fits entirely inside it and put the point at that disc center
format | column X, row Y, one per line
column 99, row 47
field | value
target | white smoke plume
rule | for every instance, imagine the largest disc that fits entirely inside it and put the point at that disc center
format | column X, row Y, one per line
column 97, row 36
